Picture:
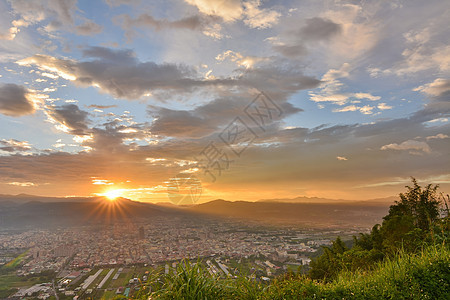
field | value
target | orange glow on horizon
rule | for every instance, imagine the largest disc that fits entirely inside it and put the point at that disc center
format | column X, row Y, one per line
column 112, row 194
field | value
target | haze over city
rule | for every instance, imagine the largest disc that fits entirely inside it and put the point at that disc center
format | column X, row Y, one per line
column 331, row 99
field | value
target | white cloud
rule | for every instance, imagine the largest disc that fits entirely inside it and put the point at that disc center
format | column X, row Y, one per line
column 228, row 10
column 366, row 96
column 214, row 31
column 12, row 32
column 384, row 106
column 12, row 145
column 414, row 147
column 367, row 110
column 259, row 18
column 436, row 88
column 22, row 184
column 438, row 136
column 331, row 91
column 342, row 158
column 97, row 181
column 424, row 48
column 347, row 108
column 233, row 10
column 239, row 59
column 359, row 31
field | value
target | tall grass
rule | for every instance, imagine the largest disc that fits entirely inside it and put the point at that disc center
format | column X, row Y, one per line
column 190, row 282
column 425, row 275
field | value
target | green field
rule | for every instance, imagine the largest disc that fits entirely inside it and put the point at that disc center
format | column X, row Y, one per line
column 10, row 283
column 16, row 261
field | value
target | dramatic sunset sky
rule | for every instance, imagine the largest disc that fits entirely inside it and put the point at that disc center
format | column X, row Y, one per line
column 122, row 95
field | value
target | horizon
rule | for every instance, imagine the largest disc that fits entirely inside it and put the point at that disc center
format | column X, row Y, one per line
column 191, row 100
column 304, row 200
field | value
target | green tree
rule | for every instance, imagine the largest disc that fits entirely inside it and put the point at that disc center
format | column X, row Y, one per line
column 410, row 220
column 330, row 262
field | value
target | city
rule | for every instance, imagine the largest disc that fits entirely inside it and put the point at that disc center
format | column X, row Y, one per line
column 105, row 259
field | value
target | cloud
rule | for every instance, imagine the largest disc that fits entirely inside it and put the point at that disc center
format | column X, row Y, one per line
column 182, row 124
column 296, row 155
column 259, row 18
column 439, row 136
column 422, row 54
column 300, row 41
column 228, row 10
column 416, row 49
column 88, row 28
column 22, row 184
column 233, row 10
column 71, row 118
column 439, row 89
column 15, row 100
column 118, row 135
column 12, row 32
column 210, row 118
column 279, row 77
column 319, row 29
column 121, row 2
column 359, row 30
column 366, row 109
column 194, row 23
column 331, row 91
column 341, row 158
column 59, row 11
column 101, row 106
column 146, row 20
column 414, row 147
column 384, row 106
column 97, row 181
column 291, row 51
column 347, row 108
column 59, row 14
column 13, row 145
column 366, row 96
column 121, row 74
column 239, row 59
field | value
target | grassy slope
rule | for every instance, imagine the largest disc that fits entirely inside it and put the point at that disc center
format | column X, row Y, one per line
column 422, row 276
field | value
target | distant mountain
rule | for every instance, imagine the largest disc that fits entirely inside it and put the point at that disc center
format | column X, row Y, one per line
column 348, row 214
column 22, row 198
column 22, row 211
column 302, row 199
column 97, row 210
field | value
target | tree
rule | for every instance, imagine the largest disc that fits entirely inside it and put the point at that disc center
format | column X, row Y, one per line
column 329, row 263
column 410, row 220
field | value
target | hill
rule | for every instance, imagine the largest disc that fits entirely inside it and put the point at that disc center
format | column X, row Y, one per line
column 302, row 199
column 28, row 210
column 344, row 214
column 406, row 276
column 84, row 211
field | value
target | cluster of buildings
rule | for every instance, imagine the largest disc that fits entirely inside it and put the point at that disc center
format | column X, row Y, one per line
column 158, row 241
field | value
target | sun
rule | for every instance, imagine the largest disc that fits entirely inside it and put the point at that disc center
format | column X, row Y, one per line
column 112, row 194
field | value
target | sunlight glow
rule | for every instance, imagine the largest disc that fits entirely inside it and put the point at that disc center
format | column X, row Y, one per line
column 112, row 194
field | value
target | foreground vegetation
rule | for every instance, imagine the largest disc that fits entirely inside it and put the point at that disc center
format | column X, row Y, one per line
column 406, row 257
column 425, row 275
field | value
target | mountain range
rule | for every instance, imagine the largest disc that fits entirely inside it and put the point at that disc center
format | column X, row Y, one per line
column 24, row 211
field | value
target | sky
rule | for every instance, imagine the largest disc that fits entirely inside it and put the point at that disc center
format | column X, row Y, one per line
column 238, row 99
